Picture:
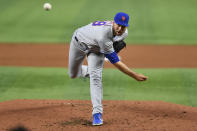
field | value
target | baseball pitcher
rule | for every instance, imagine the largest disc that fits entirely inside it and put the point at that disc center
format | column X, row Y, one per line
column 98, row 40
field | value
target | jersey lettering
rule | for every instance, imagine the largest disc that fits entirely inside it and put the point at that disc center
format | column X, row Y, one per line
column 99, row 23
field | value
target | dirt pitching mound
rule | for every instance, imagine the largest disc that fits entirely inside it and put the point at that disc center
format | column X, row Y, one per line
column 59, row 115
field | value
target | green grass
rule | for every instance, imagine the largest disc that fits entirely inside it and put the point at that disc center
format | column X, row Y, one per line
column 152, row 21
column 170, row 85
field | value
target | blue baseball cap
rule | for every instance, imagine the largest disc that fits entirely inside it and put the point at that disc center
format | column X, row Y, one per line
column 122, row 19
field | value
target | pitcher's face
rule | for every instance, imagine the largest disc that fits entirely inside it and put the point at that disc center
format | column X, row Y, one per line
column 118, row 30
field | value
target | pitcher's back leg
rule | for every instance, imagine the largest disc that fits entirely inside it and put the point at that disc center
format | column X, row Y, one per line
column 76, row 58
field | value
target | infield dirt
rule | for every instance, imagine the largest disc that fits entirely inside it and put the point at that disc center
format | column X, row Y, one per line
column 63, row 115
column 135, row 56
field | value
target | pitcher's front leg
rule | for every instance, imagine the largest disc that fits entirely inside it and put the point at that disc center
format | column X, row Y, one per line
column 95, row 67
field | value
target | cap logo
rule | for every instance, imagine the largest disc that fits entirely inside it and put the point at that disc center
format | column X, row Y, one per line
column 123, row 18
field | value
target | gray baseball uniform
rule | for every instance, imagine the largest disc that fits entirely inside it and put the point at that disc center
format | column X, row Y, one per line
column 93, row 40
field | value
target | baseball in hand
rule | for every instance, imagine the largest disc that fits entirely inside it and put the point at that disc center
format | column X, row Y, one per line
column 47, row 6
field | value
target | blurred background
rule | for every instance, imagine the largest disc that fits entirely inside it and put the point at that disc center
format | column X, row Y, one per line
column 152, row 23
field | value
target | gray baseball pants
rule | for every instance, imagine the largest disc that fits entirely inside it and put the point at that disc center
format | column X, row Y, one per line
column 77, row 54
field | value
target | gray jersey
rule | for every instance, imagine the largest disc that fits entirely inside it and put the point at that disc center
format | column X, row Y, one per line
column 91, row 39
column 98, row 36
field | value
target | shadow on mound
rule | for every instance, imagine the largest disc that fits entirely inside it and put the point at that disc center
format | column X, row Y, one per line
column 76, row 121
column 19, row 128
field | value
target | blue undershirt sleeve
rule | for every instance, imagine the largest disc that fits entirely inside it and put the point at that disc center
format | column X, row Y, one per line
column 113, row 57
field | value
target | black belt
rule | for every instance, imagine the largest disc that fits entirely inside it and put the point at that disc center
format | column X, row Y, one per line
column 76, row 39
column 82, row 44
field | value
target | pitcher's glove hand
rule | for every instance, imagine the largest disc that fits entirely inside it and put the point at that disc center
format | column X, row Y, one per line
column 119, row 45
